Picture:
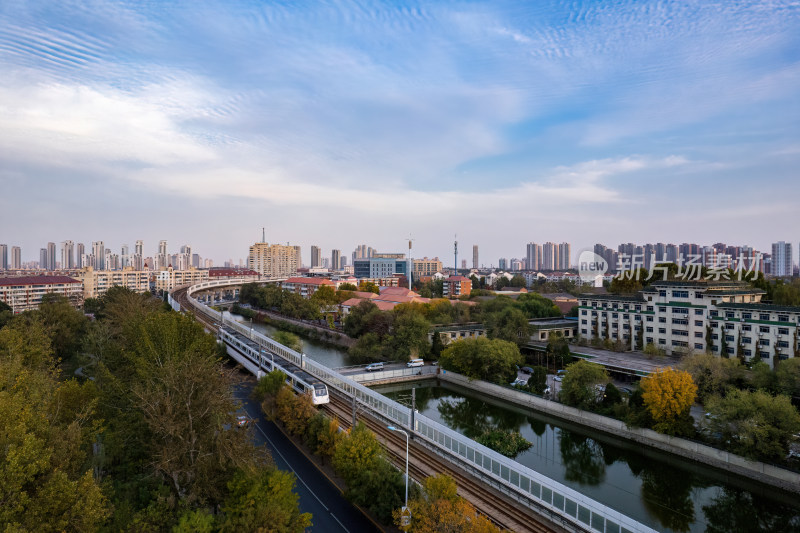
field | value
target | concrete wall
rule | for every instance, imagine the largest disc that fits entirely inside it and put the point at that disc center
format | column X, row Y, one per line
column 696, row 451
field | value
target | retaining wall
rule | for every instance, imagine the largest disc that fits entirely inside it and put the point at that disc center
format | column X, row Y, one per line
column 763, row 472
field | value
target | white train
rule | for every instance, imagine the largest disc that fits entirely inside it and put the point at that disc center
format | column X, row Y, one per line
column 258, row 360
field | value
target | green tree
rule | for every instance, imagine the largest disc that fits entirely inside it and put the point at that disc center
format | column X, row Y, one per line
column 347, row 287
column 368, row 286
column 46, row 428
column 558, row 349
column 288, row 339
column 356, row 322
column 538, row 380
column 359, row 450
column 756, row 424
column 713, row 375
column 578, row 387
column 325, row 299
column 492, row 360
column 366, row 349
column 409, row 338
column 6, row 314
column 510, row 324
column 266, row 391
column 787, row 377
column 437, row 346
column 263, row 500
column 762, row 377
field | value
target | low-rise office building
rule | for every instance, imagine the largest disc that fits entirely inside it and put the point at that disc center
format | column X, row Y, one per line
column 25, row 293
column 169, row 278
column 306, row 287
column 683, row 316
column 456, row 286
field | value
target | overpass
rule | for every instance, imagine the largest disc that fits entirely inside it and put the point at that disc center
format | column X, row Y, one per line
column 548, row 498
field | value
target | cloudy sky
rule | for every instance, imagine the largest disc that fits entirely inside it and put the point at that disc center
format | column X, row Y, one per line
column 340, row 123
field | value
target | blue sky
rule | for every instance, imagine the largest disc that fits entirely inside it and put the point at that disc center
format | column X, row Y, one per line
column 341, row 123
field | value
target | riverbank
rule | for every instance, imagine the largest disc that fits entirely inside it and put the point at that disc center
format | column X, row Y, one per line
column 762, row 472
column 300, row 327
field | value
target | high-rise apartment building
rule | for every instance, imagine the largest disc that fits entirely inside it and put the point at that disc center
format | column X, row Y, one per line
column 80, row 252
column 16, row 258
column 274, row 260
column 533, row 256
column 99, row 253
column 125, row 256
column 316, row 257
column 43, row 258
column 51, row 256
column 502, row 263
column 336, row 259
column 3, row 257
column 475, row 263
column 138, row 249
column 425, row 267
column 564, row 253
column 782, row 259
column 67, row 255
column 299, row 256
column 549, row 256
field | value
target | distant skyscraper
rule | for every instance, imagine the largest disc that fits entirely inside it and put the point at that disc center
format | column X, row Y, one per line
column 138, row 249
column 782, row 259
column 16, row 258
column 99, row 253
column 475, row 263
column 273, row 260
column 533, row 256
column 3, row 257
column 299, row 256
column 564, row 253
column 124, row 256
column 316, row 257
column 80, row 251
column 43, row 258
column 336, row 259
column 51, row 256
column 463, row 264
column 162, row 247
column 549, row 256
column 502, row 263
column 67, row 255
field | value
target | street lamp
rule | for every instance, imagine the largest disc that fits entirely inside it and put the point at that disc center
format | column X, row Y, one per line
column 405, row 513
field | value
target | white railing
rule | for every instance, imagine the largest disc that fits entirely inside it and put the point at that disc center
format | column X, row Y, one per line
column 527, row 486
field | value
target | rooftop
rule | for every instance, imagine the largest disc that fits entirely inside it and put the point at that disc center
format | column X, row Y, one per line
column 37, row 280
column 310, row 281
column 759, row 307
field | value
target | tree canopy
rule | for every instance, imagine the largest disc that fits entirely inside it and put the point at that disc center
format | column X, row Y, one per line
column 578, row 388
column 669, row 394
column 492, row 360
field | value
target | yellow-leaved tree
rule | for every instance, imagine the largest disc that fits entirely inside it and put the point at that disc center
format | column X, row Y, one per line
column 669, row 394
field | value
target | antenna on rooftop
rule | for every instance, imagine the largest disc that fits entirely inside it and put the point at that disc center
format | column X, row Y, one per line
column 263, row 234
column 410, row 240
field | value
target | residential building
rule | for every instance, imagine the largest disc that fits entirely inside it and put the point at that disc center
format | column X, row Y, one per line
column 456, row 286
column 475, row 256
column 425, row 267
column 43, row 258
column 306, row 287
column 533, row 257
column 679, row 316
column 549, row 256
column 502, row 264
column 51, row 256
column 67, row 255
column 3, row 257
column 564, row 253
column 336, row 259
column 169, row 279
column 316, row 257
column 99, row 253
column 273, row 260
column 97, row 282
column 80, row 252
column 16, row 258
column 782, row 259
column 24, row 293
column 138, row 248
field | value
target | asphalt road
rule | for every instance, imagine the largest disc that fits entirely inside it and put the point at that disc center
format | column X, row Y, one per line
column 330, row 511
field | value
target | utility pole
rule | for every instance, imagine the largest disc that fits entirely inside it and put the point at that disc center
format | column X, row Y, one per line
column 455, row 253
column 413, row 410
column 410, row 240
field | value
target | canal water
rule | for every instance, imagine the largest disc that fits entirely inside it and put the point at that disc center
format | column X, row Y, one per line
column 663, row 491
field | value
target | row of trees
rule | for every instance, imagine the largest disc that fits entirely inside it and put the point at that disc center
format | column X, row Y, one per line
column 147, row 444
column 360, row 460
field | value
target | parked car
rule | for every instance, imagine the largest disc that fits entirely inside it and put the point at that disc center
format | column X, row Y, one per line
column 519, row 381
column 373, row 367
column 242, row 421
column 526, row 370
column 557, row 378
column 415, row 362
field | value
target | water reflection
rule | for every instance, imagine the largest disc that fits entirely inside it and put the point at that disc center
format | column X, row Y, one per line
column 664, row 492
column 582, row 458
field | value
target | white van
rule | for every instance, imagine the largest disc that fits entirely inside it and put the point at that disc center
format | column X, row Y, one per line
column 415, row 362
column 372, row 367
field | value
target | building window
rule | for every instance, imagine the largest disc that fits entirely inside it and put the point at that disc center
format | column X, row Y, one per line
column 649, row 319
column 662, row 309
column 714, row 336
column 663, row 294
column 698, row 346
column 715, row 313
column 764, row 355
column 746, row 328
column 783, row 318
column 662, row 319
column 650, row 308
column 782, row 344
column 662, row 341
column 680, row 333
column 698, row 295
column 763, row 329
column 584, row 312
column 747, row 316
column 746, row 340
column 714, row 324
column 729, row 338
column 585, row 332
column 681, row 344
column 763, row 342
column 698, row 323
column 637, row 307
column 626, row 326
column 747, row 352
column 584, row 321
column 626, row 307
column 680, row 321
column 729, row 314
column 680, row 294
column 638, row 318
column 698, row 334
column 663, row 331
column 614, row 315
column 649, row 329
column 763, row 316
column 729, row 350
column 649, row 340
column 783, row 331
column 680, row 310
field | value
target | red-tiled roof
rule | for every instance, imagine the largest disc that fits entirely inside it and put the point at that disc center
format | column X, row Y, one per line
column 457, row 278
column 37, row 280
column 310, row 281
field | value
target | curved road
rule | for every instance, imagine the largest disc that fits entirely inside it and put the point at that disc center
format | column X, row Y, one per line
column 331, row 512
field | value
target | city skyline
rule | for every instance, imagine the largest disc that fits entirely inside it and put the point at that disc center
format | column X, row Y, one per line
column 327, row 123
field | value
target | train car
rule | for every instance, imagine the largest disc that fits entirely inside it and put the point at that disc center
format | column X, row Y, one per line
column 300, row 380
